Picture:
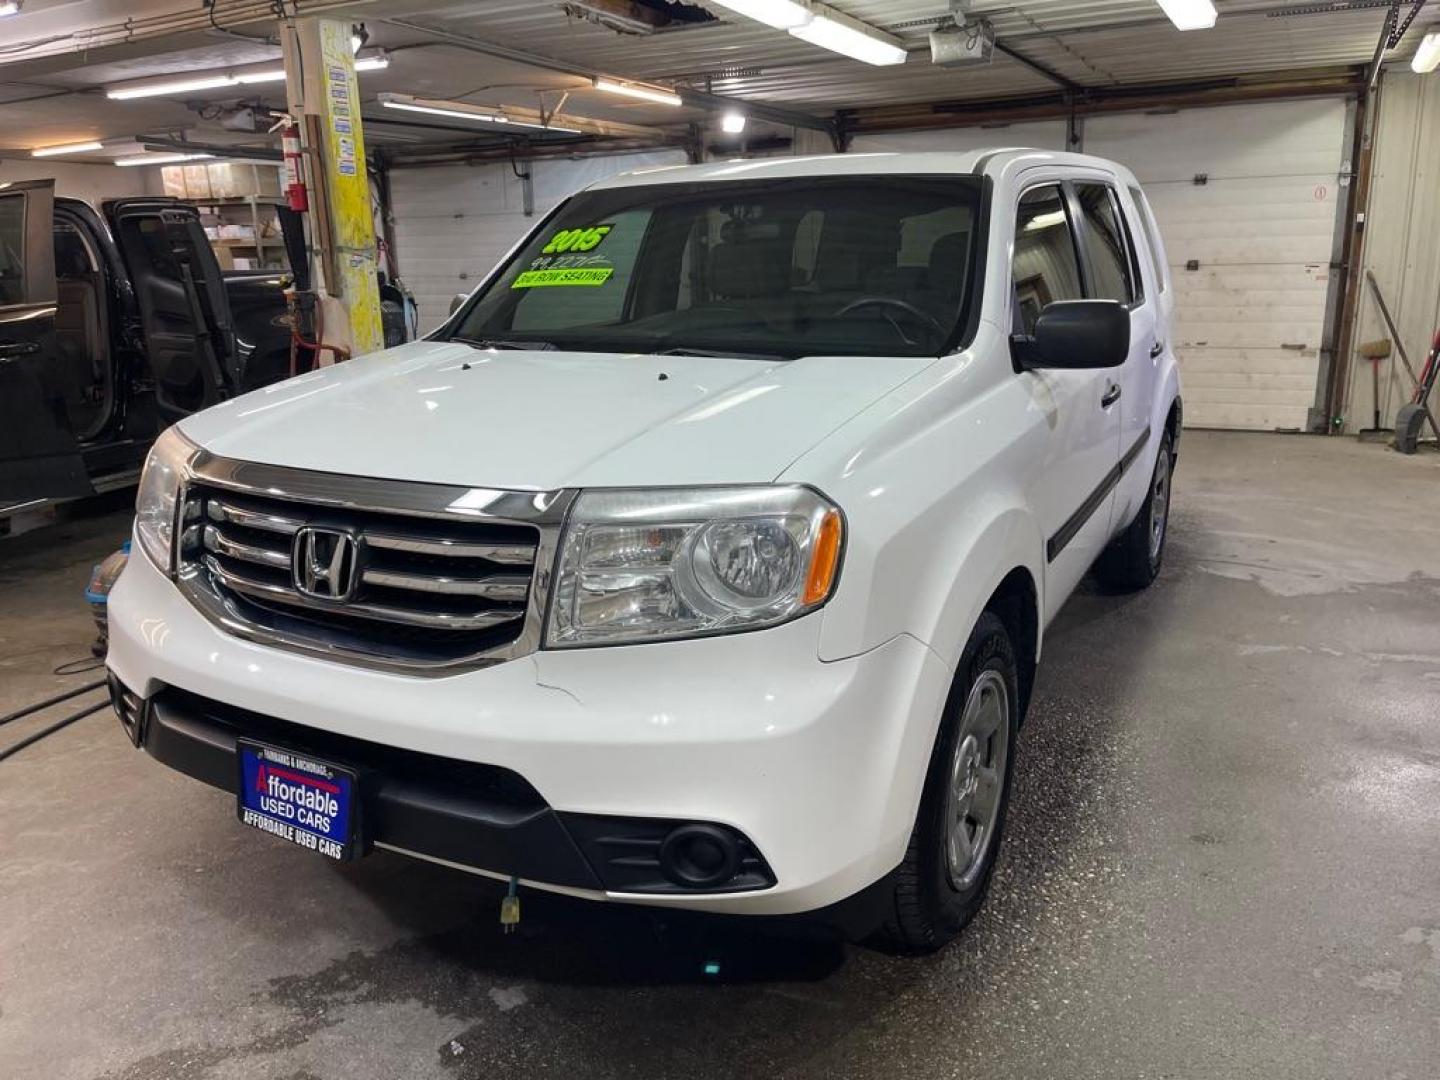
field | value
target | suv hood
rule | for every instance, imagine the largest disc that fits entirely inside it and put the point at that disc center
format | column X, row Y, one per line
column 444, row 412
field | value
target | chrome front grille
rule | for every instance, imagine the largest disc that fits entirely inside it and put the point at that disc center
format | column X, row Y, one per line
column 430, row 577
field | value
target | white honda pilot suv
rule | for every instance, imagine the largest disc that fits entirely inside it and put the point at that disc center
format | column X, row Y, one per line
column 701, row 559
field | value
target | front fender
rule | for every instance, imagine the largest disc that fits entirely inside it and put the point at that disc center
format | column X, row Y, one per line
column 933, row 482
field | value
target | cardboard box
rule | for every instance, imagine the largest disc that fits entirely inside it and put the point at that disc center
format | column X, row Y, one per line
column 197, row 182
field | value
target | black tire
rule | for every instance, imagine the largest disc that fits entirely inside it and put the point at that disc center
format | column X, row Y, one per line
column 929, row 910
column 1132, row 561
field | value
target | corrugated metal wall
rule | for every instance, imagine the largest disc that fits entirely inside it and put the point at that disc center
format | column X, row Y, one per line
column 1402, row 240
column 454, row 222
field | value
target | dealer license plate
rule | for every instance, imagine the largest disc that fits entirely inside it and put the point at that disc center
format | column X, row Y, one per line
column 307, row 802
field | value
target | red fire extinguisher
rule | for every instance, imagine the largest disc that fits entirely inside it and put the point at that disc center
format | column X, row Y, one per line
column 294, row 169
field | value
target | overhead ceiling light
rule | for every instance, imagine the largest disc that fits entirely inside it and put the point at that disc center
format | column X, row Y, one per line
column 504, row 119
column 456, row 111
column 833, row 30
column 636, row 90
column 266, row 76
column 68, row 148
column 241, row 77
column 459, row 110
column 733, row 122
column 1427, row 56
column 172, row 86
column 1045, row 221
column 9, row 7
column 1189, row 14
column 159, row 159
column 781, row 14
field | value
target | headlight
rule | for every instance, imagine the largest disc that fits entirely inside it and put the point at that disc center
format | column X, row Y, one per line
column 649, row 565
column 155, row 501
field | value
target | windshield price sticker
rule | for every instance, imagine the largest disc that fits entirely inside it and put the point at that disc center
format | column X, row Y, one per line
column 567, row 275
column 576, row 240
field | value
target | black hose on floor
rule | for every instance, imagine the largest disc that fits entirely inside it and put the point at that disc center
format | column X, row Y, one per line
column 66, row 722
column 37, row 706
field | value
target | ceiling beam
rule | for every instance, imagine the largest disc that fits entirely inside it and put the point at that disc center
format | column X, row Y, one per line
column 1036, row 66
column 1060, row 104
column 696, row 99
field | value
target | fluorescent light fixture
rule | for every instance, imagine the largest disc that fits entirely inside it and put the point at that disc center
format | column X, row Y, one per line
column 459, row 110
column 833, row 30
column 539, row 127
column 159, row 159
column 9, row 7
column 1189, row 14
column 732, row 123
column 268, row 75
column 438, row 110
column 1045, row 221
column 242, row 77
column 68, row 148
column 636, row 90
column 781, row 14
column 173, row 86
column 1427, row 56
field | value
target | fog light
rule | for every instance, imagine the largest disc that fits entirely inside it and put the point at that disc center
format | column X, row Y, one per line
column 699, row 856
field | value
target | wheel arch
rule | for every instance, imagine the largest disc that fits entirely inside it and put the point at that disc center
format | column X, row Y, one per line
column 1016, row 603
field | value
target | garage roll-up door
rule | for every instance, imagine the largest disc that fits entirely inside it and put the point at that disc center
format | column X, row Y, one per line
column 454, row 222
column 1261, row 227
column 1042, row 135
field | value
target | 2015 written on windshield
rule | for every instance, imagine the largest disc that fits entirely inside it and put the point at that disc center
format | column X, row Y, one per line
column 564, row 260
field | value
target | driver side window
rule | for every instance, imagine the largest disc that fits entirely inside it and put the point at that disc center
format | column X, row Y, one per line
column 1046, row 264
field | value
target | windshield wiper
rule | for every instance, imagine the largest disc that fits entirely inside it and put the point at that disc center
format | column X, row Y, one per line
column 507, row 343
column 726, row 354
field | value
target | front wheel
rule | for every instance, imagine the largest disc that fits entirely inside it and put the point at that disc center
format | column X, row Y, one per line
column 1132, row 560
column 943, row 880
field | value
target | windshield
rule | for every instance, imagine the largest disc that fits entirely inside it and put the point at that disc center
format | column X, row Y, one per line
column 875, row 265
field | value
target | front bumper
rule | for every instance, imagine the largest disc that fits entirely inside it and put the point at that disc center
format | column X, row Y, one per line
column 817, row 766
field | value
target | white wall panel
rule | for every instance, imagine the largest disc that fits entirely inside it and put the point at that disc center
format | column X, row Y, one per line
column 1402, row 241
column 93, row 183
column 1250, row 320
column 454, row 222
column 1042, row 135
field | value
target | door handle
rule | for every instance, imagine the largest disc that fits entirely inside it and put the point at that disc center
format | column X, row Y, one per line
column 12, row 349
column 1112, row 395
column 1156, row 349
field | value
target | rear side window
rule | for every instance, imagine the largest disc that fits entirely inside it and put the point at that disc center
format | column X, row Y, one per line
column 1047, row 264
column 12, row 248
column 1111, row 263
column 1147, row 226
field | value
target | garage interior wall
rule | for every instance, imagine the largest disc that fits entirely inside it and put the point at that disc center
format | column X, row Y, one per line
column 93, row 183
column 1249, row 195
column 1402, row 241
column 453, row 223
column 1041, row 135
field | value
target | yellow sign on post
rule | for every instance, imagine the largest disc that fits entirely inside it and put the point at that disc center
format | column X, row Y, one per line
column 332, row 95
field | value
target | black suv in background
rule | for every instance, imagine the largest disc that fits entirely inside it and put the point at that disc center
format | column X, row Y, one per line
column 113, row 325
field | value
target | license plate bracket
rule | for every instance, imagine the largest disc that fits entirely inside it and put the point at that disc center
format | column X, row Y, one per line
column 310, row 803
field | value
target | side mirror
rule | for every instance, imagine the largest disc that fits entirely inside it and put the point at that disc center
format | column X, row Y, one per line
column 457, row 300
column 1076, row 334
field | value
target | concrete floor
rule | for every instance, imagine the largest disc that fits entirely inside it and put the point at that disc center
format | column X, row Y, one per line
column 1223, row 858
